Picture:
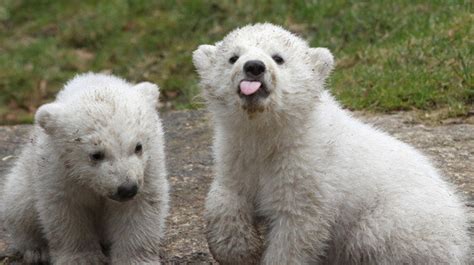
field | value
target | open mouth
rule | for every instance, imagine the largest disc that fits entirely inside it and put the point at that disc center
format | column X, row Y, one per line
column 252, row 89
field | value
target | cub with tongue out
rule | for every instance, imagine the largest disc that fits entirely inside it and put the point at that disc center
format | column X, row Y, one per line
column 326, row 187
column 248, row 88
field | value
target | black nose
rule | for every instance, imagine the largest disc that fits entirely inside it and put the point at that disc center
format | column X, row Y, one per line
column 127, row 190
column 254, row 68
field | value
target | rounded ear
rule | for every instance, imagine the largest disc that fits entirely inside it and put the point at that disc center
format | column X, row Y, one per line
column 150, row 91
column 48, row 117
column 323, row 61
column 203, row 57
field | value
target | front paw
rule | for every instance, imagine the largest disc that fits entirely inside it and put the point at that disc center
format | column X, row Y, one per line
column 135, row 262
column 36, row 256
column 84, row 258
column 236, row 249
column 226, row 255
column 156, row 262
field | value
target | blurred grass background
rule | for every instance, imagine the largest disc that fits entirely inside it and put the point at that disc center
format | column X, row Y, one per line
column 391, row 55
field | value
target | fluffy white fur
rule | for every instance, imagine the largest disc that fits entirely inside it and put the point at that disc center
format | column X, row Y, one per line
column 57, row 202
column 329, row 189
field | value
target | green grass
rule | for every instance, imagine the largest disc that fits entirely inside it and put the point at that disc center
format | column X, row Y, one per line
column 391, row 55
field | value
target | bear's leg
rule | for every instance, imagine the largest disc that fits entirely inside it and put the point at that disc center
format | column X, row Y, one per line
column 295, row 240
column 385, row 240
column 135, row 229
column 299, row 223
column 21, row 221
column 393, row 233
column 70, row 230
column 231, row 232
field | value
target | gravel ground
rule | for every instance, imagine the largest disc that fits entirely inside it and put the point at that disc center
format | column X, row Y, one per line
column 188, row 135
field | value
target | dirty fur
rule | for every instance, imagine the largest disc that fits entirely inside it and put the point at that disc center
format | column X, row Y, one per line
column 57, row 202
column 331, row 189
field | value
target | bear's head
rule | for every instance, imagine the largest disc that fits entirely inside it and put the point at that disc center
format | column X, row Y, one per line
column 262, row 69
column 107, row 138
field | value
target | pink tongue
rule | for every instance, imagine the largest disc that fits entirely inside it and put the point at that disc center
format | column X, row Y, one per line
column 249, row 87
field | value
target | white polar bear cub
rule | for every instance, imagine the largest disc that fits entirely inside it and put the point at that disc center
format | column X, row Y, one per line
column 91, row 187
column 328, row 188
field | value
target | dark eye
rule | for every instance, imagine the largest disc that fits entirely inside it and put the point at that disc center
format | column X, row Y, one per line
column 277, row 58
column 97, row 156
column 233, row 59
column 138, row 148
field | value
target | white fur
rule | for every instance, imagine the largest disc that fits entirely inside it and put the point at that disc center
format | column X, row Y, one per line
column 56, row 197
column 330, row 189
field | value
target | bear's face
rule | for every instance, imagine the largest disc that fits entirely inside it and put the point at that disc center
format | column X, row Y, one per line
column 262, row 68
column 106, row 138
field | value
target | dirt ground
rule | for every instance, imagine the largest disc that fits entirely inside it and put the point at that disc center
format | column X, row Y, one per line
column 188, row 135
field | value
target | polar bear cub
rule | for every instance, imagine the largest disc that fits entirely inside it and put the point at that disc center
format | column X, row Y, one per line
column 92, row 180
column 328, row 188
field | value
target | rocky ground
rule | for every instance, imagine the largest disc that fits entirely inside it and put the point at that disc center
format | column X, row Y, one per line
column 188, row 133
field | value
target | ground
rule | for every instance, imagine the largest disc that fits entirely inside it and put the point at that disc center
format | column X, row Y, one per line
column 188, row 135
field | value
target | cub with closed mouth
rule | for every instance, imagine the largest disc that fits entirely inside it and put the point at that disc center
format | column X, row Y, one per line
column 92, row 178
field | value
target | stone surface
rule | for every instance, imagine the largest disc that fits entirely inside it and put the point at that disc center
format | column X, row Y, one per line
column 188, row 136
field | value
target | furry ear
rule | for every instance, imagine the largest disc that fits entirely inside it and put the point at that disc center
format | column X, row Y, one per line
column 322, row 60
column 47, row 117
column 203, row 57
column 150, row 91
